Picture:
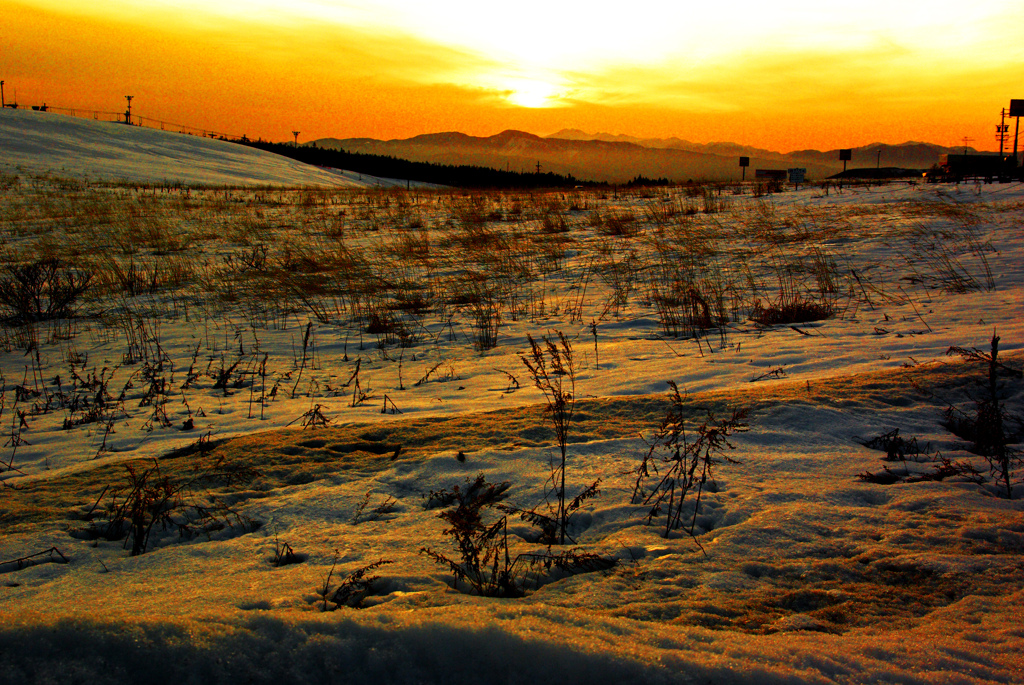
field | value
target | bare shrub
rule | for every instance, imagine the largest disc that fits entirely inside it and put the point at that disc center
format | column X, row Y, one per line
column 943, row 469
column 284, row 555
column 42, row 290
column 49, row 556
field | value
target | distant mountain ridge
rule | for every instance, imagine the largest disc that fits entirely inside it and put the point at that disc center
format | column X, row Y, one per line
column 911, row 154
column 719, row 148
column 620, row 158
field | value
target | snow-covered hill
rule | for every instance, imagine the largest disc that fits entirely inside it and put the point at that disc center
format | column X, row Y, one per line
column 64, row 146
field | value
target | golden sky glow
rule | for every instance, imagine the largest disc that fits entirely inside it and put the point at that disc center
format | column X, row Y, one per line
column 781, row 75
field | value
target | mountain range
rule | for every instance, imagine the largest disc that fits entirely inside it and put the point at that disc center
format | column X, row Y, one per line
column 619, row 158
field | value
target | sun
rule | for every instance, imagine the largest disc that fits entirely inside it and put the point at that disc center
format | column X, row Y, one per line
column 532, row 93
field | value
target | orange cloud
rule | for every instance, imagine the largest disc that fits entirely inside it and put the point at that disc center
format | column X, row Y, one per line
column 784, row 76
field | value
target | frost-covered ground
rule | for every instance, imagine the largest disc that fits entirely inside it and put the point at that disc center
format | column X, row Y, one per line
column 222, row 328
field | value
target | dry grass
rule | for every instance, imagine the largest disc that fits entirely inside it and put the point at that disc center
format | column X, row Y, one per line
column 695, row 259
column 442, row 273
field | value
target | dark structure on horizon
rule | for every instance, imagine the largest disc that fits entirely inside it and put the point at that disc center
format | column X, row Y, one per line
column 976, row 167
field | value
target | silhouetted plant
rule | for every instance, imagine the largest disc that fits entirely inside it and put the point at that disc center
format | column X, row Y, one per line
column 945, row 468
column 148, row 498
column 551, row 533
column 896, row 447
column 553, row 370
column 797, row 310
column 386, row 506
column 49, row 556
column 986, row 428
column 686, row 463
column 283, row 554
column 354, row 587
column 485, row 564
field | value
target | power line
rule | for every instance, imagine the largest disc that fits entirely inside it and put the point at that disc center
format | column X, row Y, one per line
column 136, row 120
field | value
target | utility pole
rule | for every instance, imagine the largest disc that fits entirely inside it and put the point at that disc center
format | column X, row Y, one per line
column 966, row 140
column 128, row 114
column 538, row 167
column 2, row 102
column 1002, row 131
column 296, row 135
column 878, row 162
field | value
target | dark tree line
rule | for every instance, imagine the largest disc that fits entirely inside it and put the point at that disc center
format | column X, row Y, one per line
column 462, row 176
column 644, row 182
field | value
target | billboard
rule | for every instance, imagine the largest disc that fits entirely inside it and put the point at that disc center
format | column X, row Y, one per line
column 744, row 161
column 845, row 155
column 1017, row 108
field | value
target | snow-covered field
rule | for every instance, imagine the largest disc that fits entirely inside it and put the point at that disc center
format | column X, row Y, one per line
column 297, row 369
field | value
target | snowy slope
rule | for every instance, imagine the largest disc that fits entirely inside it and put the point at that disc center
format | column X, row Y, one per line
column 64, row 146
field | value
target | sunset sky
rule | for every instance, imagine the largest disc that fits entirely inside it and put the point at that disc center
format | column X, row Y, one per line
column 780, row 75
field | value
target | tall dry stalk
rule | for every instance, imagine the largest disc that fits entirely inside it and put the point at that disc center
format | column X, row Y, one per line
column 553, row 370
